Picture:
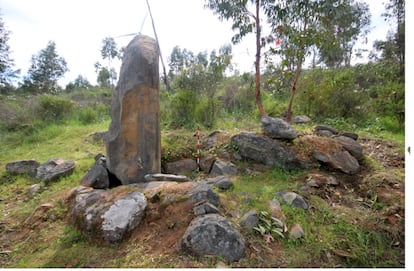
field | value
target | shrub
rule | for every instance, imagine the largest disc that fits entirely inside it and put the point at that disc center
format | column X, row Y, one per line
column 52, row 108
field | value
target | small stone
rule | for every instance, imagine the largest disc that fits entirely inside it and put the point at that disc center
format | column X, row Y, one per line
column 224, row 184
column 293, row 199
column 23, row 167
column 249, row 220
column 205, row 208
column 296, row 232
column 33, row 189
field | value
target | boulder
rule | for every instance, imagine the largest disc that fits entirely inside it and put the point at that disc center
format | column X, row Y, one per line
column 221, row 167
column 352, row 146
column 341, row 160
column 23, row 167
column 318, row 128
column 269, row 152
column 181, row 167
column 212, row 235
column 106, row 215
column 97, row 176
column 278, row 129
column 133, row 142
column 205, row 208
column 54, row 169
column 293, row 199
column 223, row 183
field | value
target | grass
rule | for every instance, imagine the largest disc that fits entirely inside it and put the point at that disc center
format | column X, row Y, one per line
column 56, row 244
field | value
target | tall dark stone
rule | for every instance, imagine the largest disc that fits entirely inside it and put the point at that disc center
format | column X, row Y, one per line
column 133, row 143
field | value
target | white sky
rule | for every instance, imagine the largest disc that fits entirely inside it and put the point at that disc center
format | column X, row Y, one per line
column 79, row 26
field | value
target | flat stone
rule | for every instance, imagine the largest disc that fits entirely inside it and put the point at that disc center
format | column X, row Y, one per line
column 278, row 129
column 54, row 169
column 23, row 167
column 249, row 220
column 160, row 177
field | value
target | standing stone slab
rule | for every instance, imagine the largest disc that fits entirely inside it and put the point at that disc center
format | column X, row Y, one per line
column 133, row 143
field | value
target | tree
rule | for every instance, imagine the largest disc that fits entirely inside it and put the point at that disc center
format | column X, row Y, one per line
column 45, row 70
column 105, row 76
column 79, row 83
column 342, row 24
column 244, row 22
column 6, row 63
column 109, row 51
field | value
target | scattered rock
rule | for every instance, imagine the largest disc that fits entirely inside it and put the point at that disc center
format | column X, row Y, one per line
column 319, row 180
column 342, row 161
column 98, row 136
column 221, row 167
column 275, row 208
column 206, row 163
column 54, row 169
column 224, row 183
column 249, row 220
column 350, row 135
column 301, row 119
column 296, row 232
column 133, row 142
column 278, row 129
column 213, row 235
column 317, row 129
column 204, row 192
column 266, row 151
column 293, row 199
column 181, row 167
column 97, row 176
column 23, row 167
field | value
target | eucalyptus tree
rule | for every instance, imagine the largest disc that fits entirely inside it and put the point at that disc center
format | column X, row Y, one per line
column 6, row 62
column 45, row 70
column 110, row 51
column 245, row 15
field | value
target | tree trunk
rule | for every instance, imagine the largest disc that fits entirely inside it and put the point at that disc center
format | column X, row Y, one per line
column 257, row 63
column 293, row 91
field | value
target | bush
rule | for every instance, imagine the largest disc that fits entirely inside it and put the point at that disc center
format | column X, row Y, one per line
column 87, row 115
column 52, row 108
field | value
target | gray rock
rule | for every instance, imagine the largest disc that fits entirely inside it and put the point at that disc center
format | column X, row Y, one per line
column 160, row 177
column 350, row 135
column 54, row 169
column 342, row 161
column 275, row 208
column 221, row 167
column 353, row 147
column 181, row 167
column 224, row 184
column 123, row 216
column 23, row 167
column 34, row 189
column 107, row 215
column 205, row 208
column 319, row 128
column 293, row 199
column 133, row 142
column 249, row 220
column 278, row 129
column 301, row 119
column 96, row 177
column 213, row 235
column 204, row 192
column 264, row 150
column 206, row 163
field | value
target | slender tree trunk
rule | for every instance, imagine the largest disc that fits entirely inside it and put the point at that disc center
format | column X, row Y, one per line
column 293, row 91
column 257, row 63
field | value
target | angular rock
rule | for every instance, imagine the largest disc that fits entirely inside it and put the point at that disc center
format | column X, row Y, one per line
column 213, row 235
column 278, row 129
column 249, row 220
column 206, row 163
column 264, row 150
column 293, row 199
column 181, row 167
column 54, row 169
column 224, row 184
column 97, row 176
column 342, row 161
column 276, row 209
column 221, row 167
column 204, row 192
column 320, row 128
column 353, row 147
column 133, row 142
column 159, row 177
column 107, row 215
column 350, row 135
column 301, row 119
column 123, row 216
column 23, row 167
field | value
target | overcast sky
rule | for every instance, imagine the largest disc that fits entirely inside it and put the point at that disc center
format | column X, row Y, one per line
column 79, row 26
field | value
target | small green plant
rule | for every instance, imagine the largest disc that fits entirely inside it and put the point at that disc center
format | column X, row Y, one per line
column 270, row 227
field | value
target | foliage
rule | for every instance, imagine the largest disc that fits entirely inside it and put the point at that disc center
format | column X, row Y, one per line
column 53, row 108
column 45, row 70
column 6, row 63
column 79, row 84
column 270, row 227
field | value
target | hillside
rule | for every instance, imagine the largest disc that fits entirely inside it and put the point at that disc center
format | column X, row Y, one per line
column 356, row 222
